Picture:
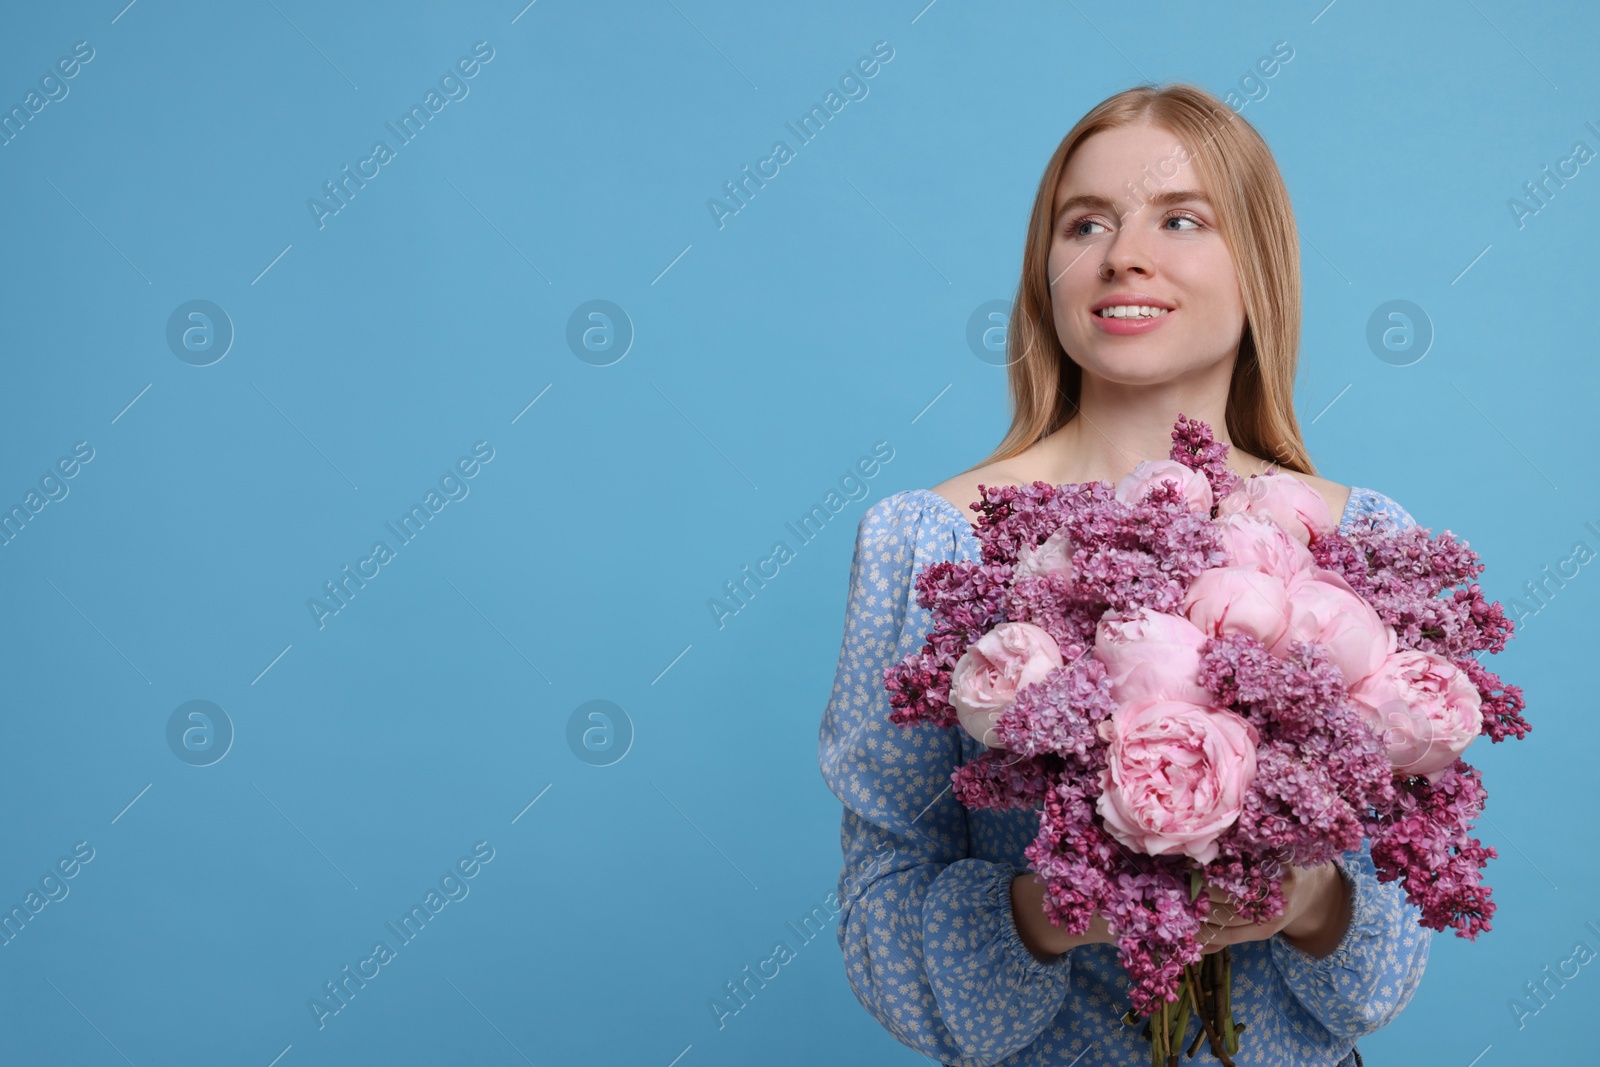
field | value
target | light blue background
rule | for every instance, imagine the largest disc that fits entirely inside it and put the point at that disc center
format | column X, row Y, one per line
column 769, row 355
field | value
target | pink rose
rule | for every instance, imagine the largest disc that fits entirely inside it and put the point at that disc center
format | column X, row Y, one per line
column 988, row 675
column 1176, row 777
column 1054, row 556
column 1285, row 500
column 1150, row 656
column 1149, row 473
column 1323, row 608
column 1424, row 708
column 1238, row 600
column 1263, row 544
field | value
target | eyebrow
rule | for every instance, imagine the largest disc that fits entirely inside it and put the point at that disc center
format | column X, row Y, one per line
column 1163, row 198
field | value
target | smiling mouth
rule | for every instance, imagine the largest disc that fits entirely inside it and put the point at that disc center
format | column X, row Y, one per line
column 1130, row 311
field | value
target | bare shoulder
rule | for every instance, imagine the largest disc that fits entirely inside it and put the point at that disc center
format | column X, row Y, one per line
column 963, row 491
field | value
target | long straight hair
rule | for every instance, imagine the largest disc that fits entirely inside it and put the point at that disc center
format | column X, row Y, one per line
column 1257, row 225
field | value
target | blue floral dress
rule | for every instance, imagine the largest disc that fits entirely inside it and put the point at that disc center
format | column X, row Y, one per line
column 930, row 946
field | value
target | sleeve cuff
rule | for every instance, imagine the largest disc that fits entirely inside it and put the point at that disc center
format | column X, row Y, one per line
column 1019, row 954
column 1365, row 982
column 1366, row 922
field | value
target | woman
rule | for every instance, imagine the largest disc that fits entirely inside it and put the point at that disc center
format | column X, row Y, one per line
column 1160, row 275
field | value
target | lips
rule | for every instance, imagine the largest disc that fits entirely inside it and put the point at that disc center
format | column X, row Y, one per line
column 1127, row 325
column 1129, row 299
column 1155, row 313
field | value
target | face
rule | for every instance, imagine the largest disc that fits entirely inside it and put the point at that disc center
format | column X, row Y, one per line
column 1131, row 205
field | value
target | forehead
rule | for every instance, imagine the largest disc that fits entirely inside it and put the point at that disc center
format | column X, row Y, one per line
column 1112, row 163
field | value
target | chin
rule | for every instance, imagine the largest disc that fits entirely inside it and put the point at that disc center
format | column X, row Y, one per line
column 1136, row 364
column 1143, row 369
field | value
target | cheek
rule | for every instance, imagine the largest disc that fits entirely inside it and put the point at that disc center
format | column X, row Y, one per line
column 1073, row 267
column 1071, row 287
column 1212, row 309
column 1213, row 280
column 1063, row 281
column 1074, row 336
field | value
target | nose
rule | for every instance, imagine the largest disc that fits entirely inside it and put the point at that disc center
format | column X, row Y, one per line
column 1128, row 252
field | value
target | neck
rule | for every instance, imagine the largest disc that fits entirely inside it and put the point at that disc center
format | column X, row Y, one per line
column 1119, row 425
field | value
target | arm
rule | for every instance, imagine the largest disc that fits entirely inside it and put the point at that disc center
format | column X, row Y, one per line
column 930, row 944
column 1044, row 938
column 1323, row 926
column 1362, row 985
column 932, row 950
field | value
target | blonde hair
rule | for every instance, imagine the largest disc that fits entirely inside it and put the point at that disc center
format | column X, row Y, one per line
column 1256, row 223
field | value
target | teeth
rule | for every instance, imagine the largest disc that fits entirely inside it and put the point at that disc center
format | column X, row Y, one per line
column 1131, row 311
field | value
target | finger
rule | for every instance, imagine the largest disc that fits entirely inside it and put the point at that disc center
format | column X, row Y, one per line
column 1224, row 915
column 1255, row 909
column 1215, row 938
column 1212, row 938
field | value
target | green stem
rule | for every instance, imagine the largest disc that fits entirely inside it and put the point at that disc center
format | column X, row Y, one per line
column 1181, row 1019
column 1197, row 997
column 1230, row 1029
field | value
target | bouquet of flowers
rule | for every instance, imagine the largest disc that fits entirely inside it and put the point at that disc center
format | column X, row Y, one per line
column 1196, row 679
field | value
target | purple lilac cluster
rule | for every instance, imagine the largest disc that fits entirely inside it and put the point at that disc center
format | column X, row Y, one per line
column 1424, row 588
column 1323, row 780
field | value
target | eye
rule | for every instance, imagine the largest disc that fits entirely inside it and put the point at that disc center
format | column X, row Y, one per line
column 1075, row 227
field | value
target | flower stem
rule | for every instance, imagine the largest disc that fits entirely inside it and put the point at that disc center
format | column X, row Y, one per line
column 1208, row 980
column 1230, row 1031
column 1180, row 1020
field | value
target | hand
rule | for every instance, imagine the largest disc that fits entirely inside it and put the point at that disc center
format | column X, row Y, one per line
column 1044, row 938
column 1316, row 913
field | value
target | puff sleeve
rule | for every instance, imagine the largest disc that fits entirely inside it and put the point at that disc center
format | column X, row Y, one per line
column 1362, row 985
column 930, row 946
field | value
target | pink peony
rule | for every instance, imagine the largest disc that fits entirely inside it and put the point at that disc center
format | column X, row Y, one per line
column 1323, row 608
column 1150, row 656
column 1176, row 777
column 1262, row 543
column 1243, row 600
column 1426, row 710
column 1285, row 500
column 987, row 676
column 1054, row 556
column 1150, row 473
